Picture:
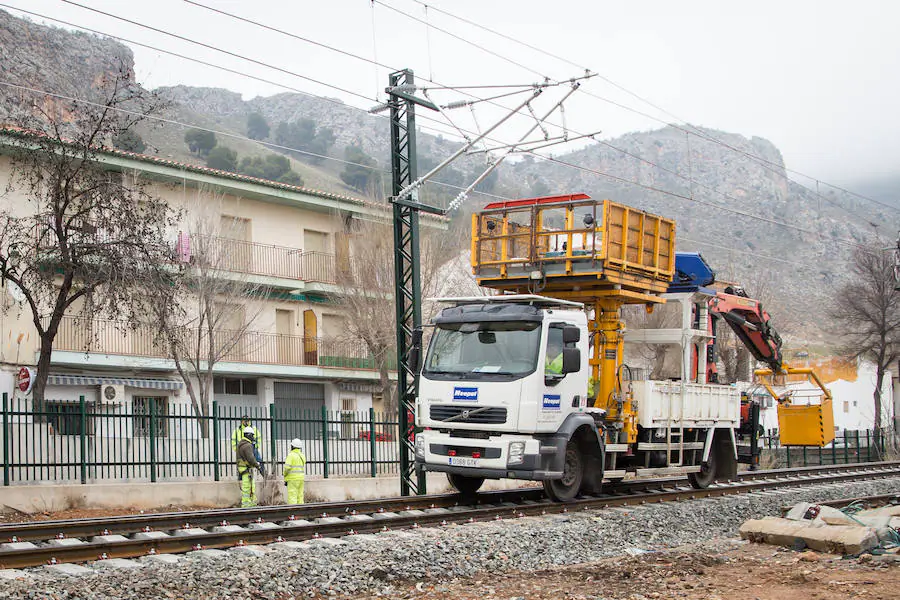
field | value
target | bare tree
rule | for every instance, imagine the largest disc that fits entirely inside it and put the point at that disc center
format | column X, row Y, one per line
column 367, row 296
column 868, row 312
column 205, row 311
column 74, row 236
column 657, row 358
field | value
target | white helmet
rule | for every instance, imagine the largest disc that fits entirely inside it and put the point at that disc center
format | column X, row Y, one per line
column 249, row 429
column 296, row 443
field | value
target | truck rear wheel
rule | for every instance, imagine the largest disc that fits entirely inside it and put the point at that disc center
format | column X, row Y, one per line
column 465, row 485
column 566, row 488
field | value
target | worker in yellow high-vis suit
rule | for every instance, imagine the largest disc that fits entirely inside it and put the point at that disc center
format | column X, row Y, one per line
column 295, row 472
column 246, row 462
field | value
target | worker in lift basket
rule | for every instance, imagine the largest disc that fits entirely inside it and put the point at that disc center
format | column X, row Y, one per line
column 295, row 472
column 246, row 462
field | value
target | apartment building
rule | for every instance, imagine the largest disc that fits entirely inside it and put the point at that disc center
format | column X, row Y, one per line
column 295, row 353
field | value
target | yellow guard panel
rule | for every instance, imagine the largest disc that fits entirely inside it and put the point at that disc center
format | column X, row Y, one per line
column 811, row 425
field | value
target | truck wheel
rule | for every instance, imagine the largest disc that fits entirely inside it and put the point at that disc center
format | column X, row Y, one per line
column 566, row 488
column 465, row 485
column 707, row 474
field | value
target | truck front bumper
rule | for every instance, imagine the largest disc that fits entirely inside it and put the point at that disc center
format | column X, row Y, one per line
column 442, row 453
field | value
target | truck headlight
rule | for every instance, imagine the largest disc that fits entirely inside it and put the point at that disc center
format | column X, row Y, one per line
column 516, row 453
column 420, row 446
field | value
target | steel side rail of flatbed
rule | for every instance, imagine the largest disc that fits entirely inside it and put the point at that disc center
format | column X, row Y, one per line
column 485, row 507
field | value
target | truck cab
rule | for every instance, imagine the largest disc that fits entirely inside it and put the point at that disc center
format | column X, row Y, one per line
column 503, row 390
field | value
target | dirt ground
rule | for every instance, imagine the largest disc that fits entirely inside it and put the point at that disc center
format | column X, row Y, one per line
column 88, row 513
column 725, row 569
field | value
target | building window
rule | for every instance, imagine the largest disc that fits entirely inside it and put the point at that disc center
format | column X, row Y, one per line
column 348, row 418
column 142, row 406
column 64, row 418
column 234, row 386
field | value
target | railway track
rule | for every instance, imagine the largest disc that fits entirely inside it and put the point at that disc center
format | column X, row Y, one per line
column 82, row 540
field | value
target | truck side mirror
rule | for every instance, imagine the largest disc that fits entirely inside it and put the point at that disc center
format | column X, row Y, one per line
column 415, row 350
column 571, row 335
column 571, row 360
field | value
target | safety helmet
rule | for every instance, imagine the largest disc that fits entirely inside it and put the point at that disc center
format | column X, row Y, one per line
column 297, row 443
column 249, row 432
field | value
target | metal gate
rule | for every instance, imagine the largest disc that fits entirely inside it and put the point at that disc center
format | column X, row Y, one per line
column 299, row 409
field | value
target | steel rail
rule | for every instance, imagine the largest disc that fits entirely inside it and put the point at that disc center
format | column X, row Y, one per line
column 131, row 548
column 129, row 524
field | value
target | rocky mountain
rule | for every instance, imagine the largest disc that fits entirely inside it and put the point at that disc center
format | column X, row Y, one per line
column 731, row 199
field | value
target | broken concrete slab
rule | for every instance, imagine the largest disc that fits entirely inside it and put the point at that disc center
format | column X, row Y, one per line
column 835, row 539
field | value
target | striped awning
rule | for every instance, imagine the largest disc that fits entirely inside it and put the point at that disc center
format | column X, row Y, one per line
column 151, row 384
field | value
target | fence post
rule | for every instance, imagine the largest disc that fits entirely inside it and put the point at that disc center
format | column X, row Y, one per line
column 5, row 439
column 83, row 438
column 152, row 411
column 805, row 461
column 846, row 449
column 272, row 434
column 868, row 447
column 215, row 423
column 788, row 449
column 834, row 451
column 372, row 441
column 325, row 442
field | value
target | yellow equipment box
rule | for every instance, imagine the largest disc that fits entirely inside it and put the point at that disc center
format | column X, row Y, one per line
column 806, row 425
column 574, row 247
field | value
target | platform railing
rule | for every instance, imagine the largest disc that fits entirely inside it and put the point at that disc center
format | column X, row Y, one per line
column 153, row 439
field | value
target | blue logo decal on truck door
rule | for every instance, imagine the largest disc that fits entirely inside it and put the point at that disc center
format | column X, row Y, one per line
column 465, row 394
column 551, row 402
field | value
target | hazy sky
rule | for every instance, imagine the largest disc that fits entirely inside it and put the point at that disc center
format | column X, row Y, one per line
column 817, row 78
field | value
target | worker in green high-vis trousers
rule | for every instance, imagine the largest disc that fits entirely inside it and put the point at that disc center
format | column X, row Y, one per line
column 295, row 472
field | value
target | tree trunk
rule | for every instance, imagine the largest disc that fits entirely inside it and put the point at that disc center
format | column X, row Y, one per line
column 43, row 372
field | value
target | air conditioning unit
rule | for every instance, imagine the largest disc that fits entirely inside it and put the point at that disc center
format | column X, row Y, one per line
column 112, row 394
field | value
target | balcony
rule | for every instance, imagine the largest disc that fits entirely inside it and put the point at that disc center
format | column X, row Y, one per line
column 254, row 258
column 252, row 347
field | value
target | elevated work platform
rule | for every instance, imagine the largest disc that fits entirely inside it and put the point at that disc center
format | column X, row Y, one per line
column 573, row 247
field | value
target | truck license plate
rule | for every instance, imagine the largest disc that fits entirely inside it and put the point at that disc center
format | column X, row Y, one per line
column 462, row 461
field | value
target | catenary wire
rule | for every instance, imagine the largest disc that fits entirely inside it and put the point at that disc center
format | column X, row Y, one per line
column 594, row 171
column 710, row 188
column 693, row 130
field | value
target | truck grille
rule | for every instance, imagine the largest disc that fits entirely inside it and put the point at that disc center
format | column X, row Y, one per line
column 487, row 416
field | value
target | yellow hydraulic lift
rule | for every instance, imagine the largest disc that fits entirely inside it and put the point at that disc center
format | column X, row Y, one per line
column 597, row 252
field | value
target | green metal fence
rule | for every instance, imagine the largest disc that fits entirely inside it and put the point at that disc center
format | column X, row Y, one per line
column 849, row 446
column 151, row 439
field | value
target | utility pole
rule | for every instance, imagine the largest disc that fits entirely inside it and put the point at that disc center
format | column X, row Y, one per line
column 407, row 283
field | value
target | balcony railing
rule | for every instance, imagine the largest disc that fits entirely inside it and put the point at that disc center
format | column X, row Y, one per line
column 115, row 338
column 260, row 259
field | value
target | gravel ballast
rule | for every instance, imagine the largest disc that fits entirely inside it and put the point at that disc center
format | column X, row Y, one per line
column 372, row 565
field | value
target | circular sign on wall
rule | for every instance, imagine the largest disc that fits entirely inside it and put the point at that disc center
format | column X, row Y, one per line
column 25, row 379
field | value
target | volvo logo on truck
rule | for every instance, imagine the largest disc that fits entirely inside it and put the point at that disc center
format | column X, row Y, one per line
column 465, row 394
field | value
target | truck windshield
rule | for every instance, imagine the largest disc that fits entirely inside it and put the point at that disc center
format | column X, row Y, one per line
column 475, row 350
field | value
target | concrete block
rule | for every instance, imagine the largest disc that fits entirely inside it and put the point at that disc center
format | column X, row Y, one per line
column 13, row 574
column 254, row 551
column 327, row 520
column 358, row 518
column 189, row 532
column 436, row 511
column 892, row 510
column 66, row 542
column 227, row 529
column 211, row 553
column 103, row 539
column 384, row 515
column 117, row 563
column 412, row 513
column 327, row 542
column 17, row 546
column 69, row 570
column 150, row 535
column 296, row 523
column 263, row 525
column 290, row 546
column 164, row 559
column 835, row 539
